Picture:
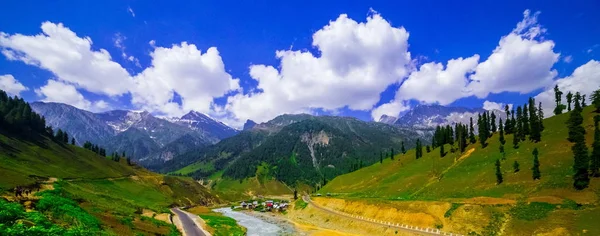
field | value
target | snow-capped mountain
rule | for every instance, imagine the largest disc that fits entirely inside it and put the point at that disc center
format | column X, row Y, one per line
column 139, row 134
column 202, row 123
column 430, row 116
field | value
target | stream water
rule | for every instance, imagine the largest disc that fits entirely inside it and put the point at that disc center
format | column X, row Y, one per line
column 255, row 226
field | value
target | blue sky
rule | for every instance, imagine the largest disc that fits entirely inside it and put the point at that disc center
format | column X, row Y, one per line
column 249, row 34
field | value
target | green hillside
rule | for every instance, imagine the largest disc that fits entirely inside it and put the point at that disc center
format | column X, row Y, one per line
column 114, row 194
column 461, row 178
column 64, row 189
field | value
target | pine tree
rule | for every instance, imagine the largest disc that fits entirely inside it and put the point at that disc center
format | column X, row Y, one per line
column 535, row 134
column 595, row 157
column 65, row 138
column 558, row 97
column 59, row 135
column 501, row 131
column 516, row 167
column 498, row 172
column 525, row 122
column 596, row 100
column 519, row 132
column 392, row 154
column 472, row 132
column 380, row 157
column 428, row 149
column 581, row 178
column 72, row 141
column 482, row 130
column 516, row 140
column 442, row 153
column 569, row 100
column 493, row 122
column 541, row 117
column 501, row 149
column 536, row 165
column 583, row 101
column 420, row 148
column 463, row 138
column 507, row 122
column 402, row 149
column 417, row 150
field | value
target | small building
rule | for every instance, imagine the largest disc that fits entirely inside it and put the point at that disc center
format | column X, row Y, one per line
column 318, row 194
column 244, row 205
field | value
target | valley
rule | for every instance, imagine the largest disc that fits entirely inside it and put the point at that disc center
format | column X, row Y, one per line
column 340, row 175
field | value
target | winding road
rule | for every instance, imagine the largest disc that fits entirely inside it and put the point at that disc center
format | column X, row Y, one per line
column 189, row 226
column 405, row 228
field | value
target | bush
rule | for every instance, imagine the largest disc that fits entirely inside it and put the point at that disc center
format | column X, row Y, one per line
column 532, row 211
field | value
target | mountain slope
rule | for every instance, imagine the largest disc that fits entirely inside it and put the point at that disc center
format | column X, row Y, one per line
column 147, row 139
column 466, row 183
column 80, row 124
column 295, row 149
column 412, row 178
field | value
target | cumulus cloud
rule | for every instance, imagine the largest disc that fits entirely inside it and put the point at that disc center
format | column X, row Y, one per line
column 585, row 79
column 490, row 106
column 522, row 62
column 69, row 57
column 57, row 91
column 184, row 70
column 181, row 70
column 355, row 63
column 10, row 85
column 433, row 83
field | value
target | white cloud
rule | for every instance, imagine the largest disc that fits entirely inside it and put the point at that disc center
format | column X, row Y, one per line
column 522, row 62
column 182, row 69
column 568, row 59
column 357, row 62
column 56, row 91
column 433, row 83
column 10, row 85
column 585, row 79
column 196, row 77
column 488, row 105
column 393, row 108
column 69, row 57
column 131, row 11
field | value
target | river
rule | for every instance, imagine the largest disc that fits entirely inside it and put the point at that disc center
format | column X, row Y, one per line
column 255, row 226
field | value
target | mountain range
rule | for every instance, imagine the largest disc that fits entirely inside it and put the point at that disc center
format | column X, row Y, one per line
column 140, row 135
column 310, row 147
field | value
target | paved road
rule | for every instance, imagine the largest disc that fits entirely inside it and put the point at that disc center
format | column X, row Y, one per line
column 406, row 228
column 191, row 229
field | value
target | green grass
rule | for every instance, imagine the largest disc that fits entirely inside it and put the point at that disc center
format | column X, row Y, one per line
column 93, row 192
column 300, row 204
column 223, row 225
column 29, row 161
column 234, row 190
column 434, row 178
column 532, row 211
column 205, row 167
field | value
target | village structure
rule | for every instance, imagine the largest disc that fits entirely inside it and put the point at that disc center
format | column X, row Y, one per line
column 268, row 205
